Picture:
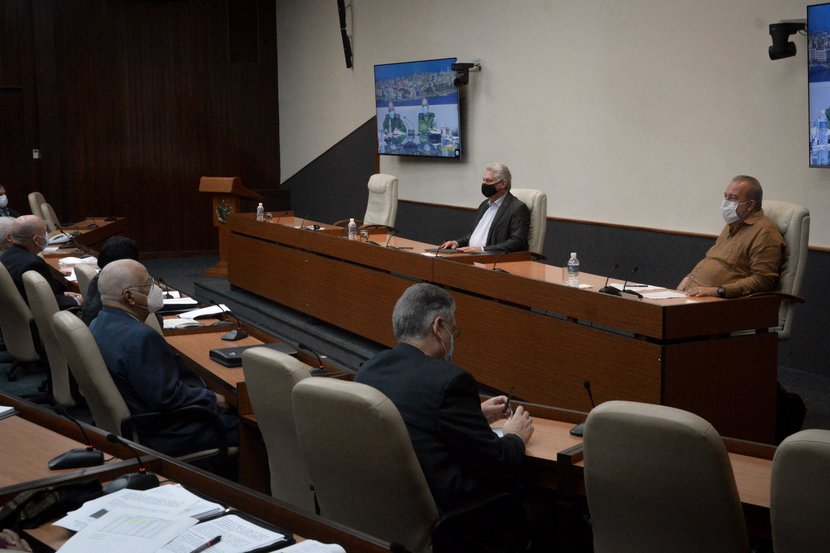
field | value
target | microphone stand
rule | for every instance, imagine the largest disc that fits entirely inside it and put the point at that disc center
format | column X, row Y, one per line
column 141, row 480
column 579, row 429
column 632, row 292
column 610, row 290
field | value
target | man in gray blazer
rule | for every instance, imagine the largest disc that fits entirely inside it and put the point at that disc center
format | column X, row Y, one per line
column 502, row 221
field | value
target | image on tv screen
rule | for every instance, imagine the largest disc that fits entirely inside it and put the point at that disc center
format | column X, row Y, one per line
column 417, row 109
column 818, row 76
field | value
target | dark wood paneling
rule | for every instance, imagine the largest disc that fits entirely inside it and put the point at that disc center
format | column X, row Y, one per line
column 136, row 100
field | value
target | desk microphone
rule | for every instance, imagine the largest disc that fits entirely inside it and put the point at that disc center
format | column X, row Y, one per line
column 391, row 232
column 222, row 315
column 93, row 224
column 141, row 480
column 165, row 288
column 76, row 232
column 579, row 429
column 321, row 368
column 632, row 292
column 79, row 457
column 302, row 223
column 494, row 268
column 237, row 333
column 610, row 290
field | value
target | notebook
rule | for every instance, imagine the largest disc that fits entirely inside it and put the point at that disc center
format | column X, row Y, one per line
column 232, row 357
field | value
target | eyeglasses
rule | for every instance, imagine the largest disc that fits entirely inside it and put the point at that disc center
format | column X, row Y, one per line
column 150, row 282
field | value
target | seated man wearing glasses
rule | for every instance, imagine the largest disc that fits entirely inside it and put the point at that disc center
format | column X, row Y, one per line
column 144, row 366
column 462, row 458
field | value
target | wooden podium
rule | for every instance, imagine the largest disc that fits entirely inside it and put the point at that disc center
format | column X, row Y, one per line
column 227, row 195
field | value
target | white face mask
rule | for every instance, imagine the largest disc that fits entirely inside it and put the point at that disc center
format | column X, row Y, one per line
column 448, row 352
column 155, row 299
column 4, row 200
column 729, row 211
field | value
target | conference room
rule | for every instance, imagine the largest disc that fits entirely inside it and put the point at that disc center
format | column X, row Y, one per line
column 629, row 120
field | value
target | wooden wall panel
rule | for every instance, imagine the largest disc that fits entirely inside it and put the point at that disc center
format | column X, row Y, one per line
column 137, row 99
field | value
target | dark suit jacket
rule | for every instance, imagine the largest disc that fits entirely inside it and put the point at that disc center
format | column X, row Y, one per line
column 462, row 458
column 18, row 260
column 510, row 227
column 146, row 372
column 8, row 212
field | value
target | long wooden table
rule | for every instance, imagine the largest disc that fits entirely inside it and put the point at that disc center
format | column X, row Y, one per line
column 43, row 422
column 524, row 329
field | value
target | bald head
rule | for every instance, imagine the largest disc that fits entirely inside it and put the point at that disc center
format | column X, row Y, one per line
column 28, row 231
column 118, row 276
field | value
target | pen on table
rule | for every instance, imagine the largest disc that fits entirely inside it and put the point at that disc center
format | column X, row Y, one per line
column 209, row 543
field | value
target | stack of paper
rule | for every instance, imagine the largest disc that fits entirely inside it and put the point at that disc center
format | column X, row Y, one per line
column 164, row 501
column 162, row 520
column 70, row 260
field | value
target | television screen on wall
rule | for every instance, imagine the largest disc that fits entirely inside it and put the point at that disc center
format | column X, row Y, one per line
column 818, row 82
column 417, row 109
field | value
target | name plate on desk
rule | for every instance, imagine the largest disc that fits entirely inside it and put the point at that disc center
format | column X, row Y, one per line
column 232, row 357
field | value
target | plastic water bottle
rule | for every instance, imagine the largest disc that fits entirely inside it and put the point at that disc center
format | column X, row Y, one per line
column 260, row 213
column 352, row 229
column 573, row 271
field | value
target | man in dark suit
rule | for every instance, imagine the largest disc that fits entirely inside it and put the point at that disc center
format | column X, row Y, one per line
column 502, row 221
column 462, row 458
column 144, row 367
column 28, row 238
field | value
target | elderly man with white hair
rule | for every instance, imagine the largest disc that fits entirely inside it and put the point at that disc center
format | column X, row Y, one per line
column 502, row 221
column 144, row 366
column 27, row 239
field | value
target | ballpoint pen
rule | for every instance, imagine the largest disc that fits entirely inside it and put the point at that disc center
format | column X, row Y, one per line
column 209, row 543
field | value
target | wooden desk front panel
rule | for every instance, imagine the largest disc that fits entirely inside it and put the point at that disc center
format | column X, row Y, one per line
column 353, row 297
column 547, row 359
column 730, row 381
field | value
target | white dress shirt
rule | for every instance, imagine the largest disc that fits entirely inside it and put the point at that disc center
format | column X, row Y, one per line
column 482, row 230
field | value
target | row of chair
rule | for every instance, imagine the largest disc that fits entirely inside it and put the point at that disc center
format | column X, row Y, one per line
column 660, row 479
column 657, row 478
column 343, row 444
column 44, row 210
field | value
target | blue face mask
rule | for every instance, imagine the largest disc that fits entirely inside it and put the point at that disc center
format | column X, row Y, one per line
column 425, row 110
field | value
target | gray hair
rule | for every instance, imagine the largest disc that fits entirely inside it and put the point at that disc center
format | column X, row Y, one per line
column 417, row 308
column 117, row 276
column 753, row 191
column 5, row 230
column 501, row 172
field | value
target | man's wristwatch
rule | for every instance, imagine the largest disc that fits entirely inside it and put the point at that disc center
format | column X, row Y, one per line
column 721, row 292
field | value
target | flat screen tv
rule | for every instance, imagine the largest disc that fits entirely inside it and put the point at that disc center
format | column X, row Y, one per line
column 818, row 85
column 417, row 109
